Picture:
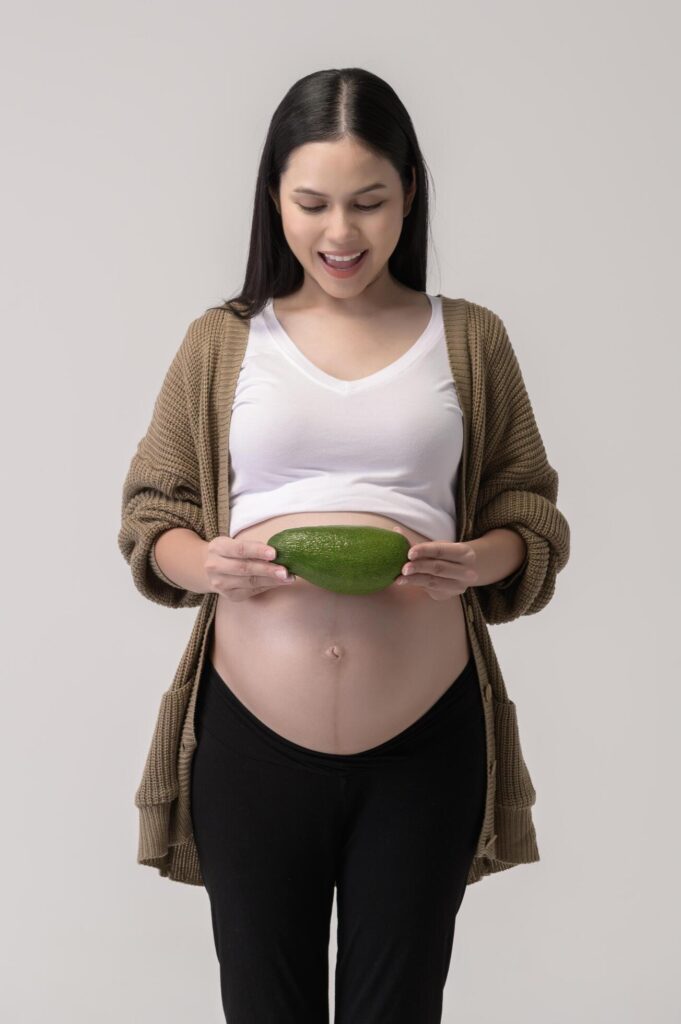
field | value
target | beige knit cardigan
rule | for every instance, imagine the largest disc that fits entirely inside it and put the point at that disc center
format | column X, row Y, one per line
column 180, row 476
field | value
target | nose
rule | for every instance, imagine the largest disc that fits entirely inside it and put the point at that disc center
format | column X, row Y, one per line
column 341, row 230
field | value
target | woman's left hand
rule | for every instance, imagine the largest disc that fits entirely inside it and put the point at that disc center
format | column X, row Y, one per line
column 443, row 568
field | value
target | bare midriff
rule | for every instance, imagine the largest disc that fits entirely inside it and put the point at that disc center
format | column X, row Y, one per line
column 338, row 673
column 341, row 673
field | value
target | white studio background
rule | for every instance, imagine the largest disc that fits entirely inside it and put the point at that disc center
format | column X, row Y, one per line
column 131, row 134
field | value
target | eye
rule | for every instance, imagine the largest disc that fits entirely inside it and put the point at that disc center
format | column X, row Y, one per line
column 316, row 209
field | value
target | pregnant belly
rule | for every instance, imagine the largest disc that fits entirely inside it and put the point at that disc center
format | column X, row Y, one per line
column 339, row 673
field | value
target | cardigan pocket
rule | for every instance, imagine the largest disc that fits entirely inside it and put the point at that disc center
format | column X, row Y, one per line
column 514, row 785
column 160, row 777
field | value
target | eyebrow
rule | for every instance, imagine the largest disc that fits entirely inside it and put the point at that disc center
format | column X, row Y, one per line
column 367, row 188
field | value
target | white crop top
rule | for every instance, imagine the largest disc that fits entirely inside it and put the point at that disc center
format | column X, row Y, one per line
column 303, row 441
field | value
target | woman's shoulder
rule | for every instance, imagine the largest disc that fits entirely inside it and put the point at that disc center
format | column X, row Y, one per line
column 483, row 315
column 485, row 326
column 213, row 323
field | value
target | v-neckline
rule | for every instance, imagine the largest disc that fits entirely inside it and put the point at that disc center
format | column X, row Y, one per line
column 386, row 373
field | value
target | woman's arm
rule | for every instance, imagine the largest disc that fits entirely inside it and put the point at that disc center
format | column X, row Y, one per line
column 518, row 488
column 180, row 555
column 162, row 491
column 500, row 554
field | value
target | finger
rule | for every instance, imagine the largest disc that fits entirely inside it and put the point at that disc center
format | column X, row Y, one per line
column 255, row 568
column 439, row 567
column 254, row 550
column 434, row 586
column 247, row 579
column 454, row 551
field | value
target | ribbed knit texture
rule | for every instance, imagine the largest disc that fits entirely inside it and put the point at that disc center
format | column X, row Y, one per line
column 179, row 476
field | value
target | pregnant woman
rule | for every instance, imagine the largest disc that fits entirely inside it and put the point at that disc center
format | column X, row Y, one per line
column 315, row 741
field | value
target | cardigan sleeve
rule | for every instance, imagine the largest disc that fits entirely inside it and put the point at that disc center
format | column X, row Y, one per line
column 161, row 490
column 518, row 489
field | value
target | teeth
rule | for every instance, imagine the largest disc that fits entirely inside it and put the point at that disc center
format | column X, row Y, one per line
column 341, row 259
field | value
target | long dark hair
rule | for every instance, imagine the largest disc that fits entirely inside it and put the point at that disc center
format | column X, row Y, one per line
column 326, row 106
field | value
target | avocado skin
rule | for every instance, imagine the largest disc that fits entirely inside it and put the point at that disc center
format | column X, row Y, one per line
column 343, row 559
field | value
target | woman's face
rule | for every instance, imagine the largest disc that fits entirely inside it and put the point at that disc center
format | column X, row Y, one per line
column 325, row 208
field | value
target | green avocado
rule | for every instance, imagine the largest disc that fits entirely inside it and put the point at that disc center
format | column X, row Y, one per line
column 344, row 559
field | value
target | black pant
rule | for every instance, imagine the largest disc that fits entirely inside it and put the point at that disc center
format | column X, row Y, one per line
column 393, row 828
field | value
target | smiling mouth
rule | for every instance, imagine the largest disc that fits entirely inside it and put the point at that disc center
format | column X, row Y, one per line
column 342, row 263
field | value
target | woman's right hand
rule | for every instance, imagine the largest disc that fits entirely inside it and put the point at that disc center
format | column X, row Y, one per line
column 239, row 569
